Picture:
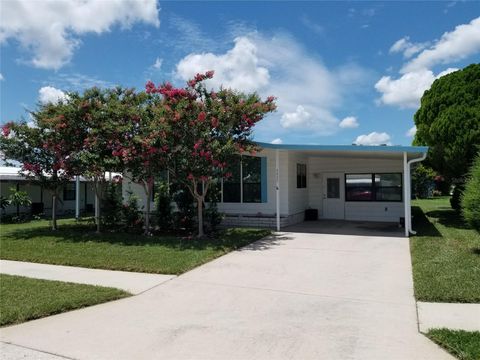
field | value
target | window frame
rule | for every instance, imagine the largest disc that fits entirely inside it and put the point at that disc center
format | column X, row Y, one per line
column 301, row 176
column 263, row 187
column 69, row 191
column 374, row 188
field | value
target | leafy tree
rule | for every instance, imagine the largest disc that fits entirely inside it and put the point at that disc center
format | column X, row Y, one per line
column 19, row 198
column 143, row 146
column 471, row 196
column 207, row 130
column 97, row 118
column 449, row 122
column 42, row 148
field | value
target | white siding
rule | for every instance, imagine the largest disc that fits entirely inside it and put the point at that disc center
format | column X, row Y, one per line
column 362, row 211
column 297, row 198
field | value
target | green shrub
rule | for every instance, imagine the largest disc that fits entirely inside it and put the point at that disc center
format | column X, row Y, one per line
column 212, row 215
column 184, row 218
column 423, row 181
column 112, row 205
column 470, row 200
column 163, row 202
column 132, row 216
column 457, row 196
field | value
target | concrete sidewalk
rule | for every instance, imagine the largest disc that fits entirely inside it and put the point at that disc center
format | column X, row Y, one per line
column 448, row 315
column 296, row 296
column 134, row 283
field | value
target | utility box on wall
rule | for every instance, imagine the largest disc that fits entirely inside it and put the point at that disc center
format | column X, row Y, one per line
column 311, row 214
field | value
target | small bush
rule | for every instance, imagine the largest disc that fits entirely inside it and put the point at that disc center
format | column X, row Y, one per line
column 423, row 181
column 112, row 205
column 163, row 202
column 131, row 215
column 456, row 197
column 184, row 218
column 212, row 215
column 470, row 200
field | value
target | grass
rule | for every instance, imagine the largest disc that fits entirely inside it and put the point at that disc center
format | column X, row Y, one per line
column 463, row 344
column 27, row 299
column 445, row 254
column 78, row 245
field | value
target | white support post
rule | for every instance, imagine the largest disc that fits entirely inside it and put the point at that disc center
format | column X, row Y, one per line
column 406, row 193
column 277, row 186
column 77, row 197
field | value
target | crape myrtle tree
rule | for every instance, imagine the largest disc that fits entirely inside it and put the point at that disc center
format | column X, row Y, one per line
column 43, row 147
column 142, row 147
column 207, row 130
column 99, row 118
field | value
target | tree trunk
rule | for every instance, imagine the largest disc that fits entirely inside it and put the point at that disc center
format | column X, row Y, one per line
column 54, row 210
column 200, row 216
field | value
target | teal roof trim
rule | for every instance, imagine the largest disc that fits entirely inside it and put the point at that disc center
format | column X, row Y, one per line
column 347, row 148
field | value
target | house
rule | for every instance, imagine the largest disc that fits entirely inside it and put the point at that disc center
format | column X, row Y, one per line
column 348, row 182
column 10, row 177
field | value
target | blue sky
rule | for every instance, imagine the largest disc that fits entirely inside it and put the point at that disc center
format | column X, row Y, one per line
column 343, row 72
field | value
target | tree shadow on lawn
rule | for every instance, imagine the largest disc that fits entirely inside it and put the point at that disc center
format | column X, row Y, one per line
column 449, row 218
column 228, row 239
column 421, row 223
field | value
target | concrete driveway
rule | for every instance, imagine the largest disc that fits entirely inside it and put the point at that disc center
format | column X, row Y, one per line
column 295, row 296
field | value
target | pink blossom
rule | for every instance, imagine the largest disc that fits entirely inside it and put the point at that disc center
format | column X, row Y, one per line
column 6, row 130
column 190, row 176
column 209, row 74
column 215, row 122
column 202, row 116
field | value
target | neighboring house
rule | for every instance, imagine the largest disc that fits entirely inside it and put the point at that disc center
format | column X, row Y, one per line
column 346, row 182
column 41, row 198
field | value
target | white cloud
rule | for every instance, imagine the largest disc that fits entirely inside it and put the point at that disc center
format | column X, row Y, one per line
column 308, row 92
column 49, row 94
column 158, row 63
column 452, row 46
column 417, row 75
column 1, row 77
column 299, row 118
column 405, row 46
column 50, row 29
column 277, row 141
column 411, row 132
column 350, row 122
column 237, row 69
column 406, row 91
column 374, row 138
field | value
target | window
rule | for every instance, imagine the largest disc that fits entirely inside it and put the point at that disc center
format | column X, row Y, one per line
column 388, row 187
column 333, row 188
column 231, row 185
column 301, row 176
column 252, row 179
column 69, row 192
column 373, row 187
column 248, row 181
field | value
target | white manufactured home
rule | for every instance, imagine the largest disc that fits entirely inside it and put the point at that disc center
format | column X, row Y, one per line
column 284, row 184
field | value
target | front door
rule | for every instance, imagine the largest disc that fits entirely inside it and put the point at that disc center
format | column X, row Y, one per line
column 333, row 196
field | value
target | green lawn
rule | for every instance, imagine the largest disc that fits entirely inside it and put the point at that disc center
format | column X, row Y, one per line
column 463, row 344
column 25, row 299
column 79, row 245
column 445, row 254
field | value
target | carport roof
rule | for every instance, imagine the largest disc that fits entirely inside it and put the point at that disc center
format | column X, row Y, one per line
column 347, row 148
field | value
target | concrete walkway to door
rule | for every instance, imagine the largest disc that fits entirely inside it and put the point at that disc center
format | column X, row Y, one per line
column 295, row 296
